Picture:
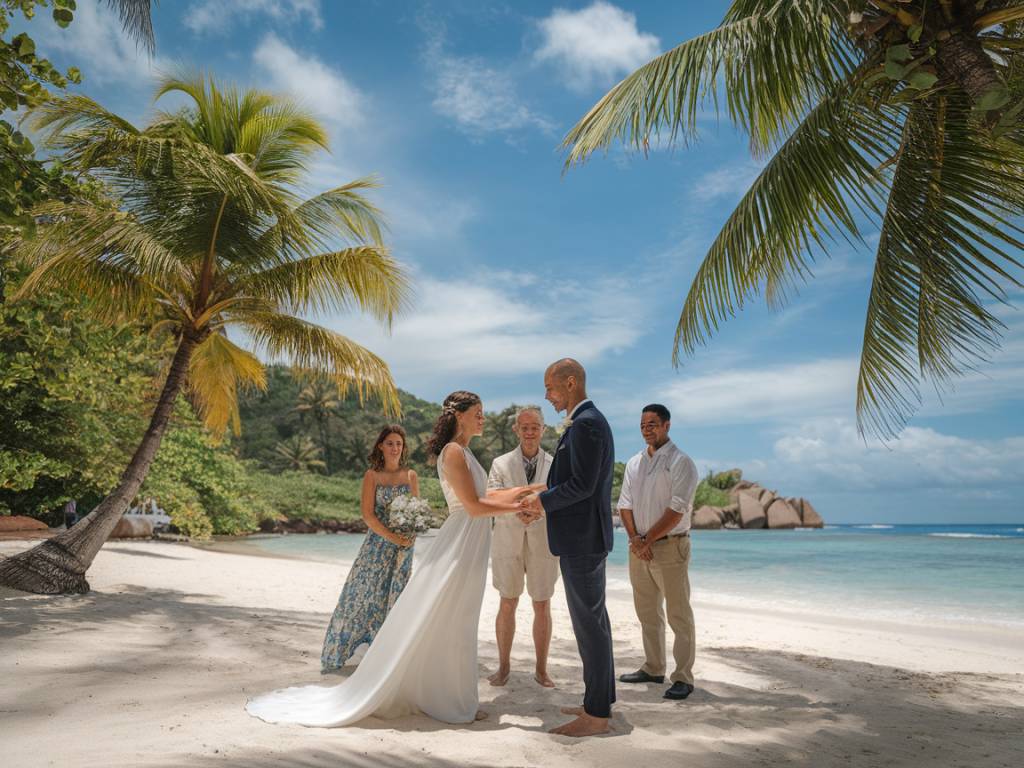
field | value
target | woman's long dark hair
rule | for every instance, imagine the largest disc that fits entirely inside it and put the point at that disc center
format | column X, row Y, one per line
column 446, row 425
column 376, row 456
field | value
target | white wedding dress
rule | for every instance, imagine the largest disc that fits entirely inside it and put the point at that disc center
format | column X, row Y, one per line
column 424, row 658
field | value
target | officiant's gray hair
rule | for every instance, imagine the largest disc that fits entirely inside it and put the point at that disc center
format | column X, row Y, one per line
column 529, row 409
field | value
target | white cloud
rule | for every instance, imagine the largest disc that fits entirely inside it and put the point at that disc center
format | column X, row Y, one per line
column 497, row 325
column 99, row 47
column 757, row 393
column 480, row 99
column 741, row 388
column 219, row 17
column 829, row 452
column 595, row 45
column 729, row 182
column 319, row 87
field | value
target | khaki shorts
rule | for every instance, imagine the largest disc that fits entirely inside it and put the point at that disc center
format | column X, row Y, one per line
column 519, row 551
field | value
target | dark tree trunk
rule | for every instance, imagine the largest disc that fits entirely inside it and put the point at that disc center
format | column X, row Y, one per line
column 962, row 59
column 58, row 565
column 325, row 440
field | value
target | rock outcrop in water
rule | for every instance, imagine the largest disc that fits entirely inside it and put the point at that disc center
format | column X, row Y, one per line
column 754, row 506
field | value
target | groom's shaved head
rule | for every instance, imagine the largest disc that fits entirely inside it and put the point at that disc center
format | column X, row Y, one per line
column 566, row 367
column 565, row 384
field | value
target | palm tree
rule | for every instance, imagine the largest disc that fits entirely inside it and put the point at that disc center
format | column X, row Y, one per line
column 299, row 454
column 354, row 452
column 209, row 235
column 320, row 400
column 907, row 114
column 498, row 436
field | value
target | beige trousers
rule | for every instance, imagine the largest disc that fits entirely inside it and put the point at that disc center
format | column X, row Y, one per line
column 661, row 583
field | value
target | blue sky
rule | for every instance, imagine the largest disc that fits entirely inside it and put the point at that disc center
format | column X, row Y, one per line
column 459, row 108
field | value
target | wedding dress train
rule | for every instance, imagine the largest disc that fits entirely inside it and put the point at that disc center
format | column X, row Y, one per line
column 424, row 658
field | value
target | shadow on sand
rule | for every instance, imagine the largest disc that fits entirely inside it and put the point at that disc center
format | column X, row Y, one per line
column 751, row 707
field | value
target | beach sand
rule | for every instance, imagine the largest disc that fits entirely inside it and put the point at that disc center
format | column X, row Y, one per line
column 153, row 668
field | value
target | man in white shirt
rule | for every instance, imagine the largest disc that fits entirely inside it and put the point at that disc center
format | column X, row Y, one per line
column 520, row 551
column 656, row 508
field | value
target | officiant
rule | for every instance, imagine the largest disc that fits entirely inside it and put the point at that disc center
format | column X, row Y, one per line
column 519, row 552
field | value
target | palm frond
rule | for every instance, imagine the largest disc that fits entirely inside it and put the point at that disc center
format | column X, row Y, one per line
column 941, row 254
column 115, row 292
column 281, row 139
column 87, row 232
column 74, row 113
column 137, row 20
column 323, row 222
column 365, row 277
column 770, row 59
column 312, row 348
column 217, row 371
column 271, row 130
column 809, row 192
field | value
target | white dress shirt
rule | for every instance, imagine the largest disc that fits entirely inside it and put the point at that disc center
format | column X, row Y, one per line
column 652, row 484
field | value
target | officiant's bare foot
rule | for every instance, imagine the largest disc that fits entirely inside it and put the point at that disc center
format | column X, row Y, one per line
column 584, row 725
column 500, row 677
column 480, row 715
column 543, row 679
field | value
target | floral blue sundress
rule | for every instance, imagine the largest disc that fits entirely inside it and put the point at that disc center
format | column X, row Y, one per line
column 378, row 576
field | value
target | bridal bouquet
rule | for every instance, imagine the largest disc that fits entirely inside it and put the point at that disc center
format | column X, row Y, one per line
column 409, row 515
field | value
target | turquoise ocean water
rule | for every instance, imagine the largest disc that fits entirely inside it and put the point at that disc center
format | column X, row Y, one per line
column 917, row 573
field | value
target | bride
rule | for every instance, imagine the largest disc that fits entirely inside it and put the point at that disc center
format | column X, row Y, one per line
column 424, row 658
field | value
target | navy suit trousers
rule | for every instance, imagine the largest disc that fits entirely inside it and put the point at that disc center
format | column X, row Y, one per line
column 584, row 580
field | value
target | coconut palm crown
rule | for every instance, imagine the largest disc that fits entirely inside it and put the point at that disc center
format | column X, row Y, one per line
column 905, row 114
column 208, row 235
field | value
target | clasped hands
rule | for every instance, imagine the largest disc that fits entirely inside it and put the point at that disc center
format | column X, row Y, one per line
column 640, row 547
column 530, row 508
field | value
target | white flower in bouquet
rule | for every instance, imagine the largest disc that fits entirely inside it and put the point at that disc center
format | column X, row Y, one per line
column 410, row 515
column 563, row 425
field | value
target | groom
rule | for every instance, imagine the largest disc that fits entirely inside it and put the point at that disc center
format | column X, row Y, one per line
column 577, row 506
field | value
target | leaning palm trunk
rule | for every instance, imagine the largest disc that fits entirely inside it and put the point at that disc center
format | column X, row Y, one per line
column 58, row 565
column 207, row 237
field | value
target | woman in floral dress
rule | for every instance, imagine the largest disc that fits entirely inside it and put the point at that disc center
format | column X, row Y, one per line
column 382, row 568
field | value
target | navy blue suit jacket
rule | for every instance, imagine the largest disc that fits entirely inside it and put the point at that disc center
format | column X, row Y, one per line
column 578, row 502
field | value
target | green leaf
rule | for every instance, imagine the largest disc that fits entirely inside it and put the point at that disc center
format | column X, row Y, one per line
column 74, row 75
column 923, row 80
column 900, row 53
column 24, row 45
column 914, row 33
column 21, row 143
column 63, row 17
column 8, row 97
column 894, row 70
column 994, row 98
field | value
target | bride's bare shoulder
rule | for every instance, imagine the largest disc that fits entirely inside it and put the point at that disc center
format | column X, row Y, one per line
column 454, row 453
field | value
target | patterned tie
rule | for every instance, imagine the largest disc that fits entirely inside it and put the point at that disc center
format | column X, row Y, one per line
column 531, row 470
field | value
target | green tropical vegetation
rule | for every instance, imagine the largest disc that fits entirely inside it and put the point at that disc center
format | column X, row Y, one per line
column 904, row 114
column 203, row 232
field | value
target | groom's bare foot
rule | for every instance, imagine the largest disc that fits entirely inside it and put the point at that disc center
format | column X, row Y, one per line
column 543, row 679
column 500, row 677
column 584, row 725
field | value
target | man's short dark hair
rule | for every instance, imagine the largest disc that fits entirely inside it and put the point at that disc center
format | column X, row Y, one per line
column 658, row 410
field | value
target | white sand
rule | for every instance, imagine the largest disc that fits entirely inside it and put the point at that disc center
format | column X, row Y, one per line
column 154, row 666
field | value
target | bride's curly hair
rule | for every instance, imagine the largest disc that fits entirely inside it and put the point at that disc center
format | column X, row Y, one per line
column 446, row 426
